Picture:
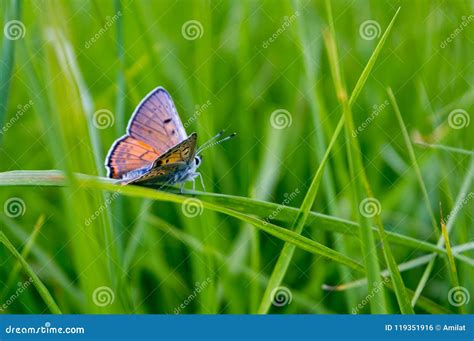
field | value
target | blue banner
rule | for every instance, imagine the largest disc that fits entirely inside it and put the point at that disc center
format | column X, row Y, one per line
column 238, row 327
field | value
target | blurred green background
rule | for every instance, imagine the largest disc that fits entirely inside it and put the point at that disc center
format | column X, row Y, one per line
column 72, row 73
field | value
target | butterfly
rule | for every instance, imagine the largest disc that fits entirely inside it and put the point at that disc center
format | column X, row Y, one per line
column 156, row 149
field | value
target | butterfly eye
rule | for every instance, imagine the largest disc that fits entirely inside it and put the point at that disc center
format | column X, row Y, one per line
column 197, row 160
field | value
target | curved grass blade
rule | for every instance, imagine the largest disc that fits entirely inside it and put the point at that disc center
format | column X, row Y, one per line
column 243, row 205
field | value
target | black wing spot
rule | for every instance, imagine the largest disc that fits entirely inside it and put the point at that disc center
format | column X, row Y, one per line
column 173, row 132
column 168, row 120
column 159, row 162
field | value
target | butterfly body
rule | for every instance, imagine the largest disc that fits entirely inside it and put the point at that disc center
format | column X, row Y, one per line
column 156, row 148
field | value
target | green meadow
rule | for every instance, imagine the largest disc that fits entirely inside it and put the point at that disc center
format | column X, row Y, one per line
column 348, row 188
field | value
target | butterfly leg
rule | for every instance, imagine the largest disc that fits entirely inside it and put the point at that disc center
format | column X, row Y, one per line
column 181, row 188
column 194, row 185
column 202, row 181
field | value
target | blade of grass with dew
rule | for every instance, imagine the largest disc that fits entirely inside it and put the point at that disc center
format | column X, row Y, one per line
column 42, row 290
column 7, row 58
column 243, row 205
column 452, row 217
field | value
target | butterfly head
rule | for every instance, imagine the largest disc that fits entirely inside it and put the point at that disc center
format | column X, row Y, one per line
column 197, row 160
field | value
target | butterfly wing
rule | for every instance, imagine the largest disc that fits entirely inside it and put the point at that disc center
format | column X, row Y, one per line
column 154, row 128
column 128, row 154
column 156, row 122
column 166, row 166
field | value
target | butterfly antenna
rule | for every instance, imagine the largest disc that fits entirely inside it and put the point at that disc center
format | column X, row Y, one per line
column 208, row 144
column 219, row 134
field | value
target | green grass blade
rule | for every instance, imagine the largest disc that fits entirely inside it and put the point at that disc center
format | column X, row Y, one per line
column 458, row 202
column 24, row 253
column 243, row 205
column 414, row 162
column 7, row 62
column 42, row 290
column 288, row 250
